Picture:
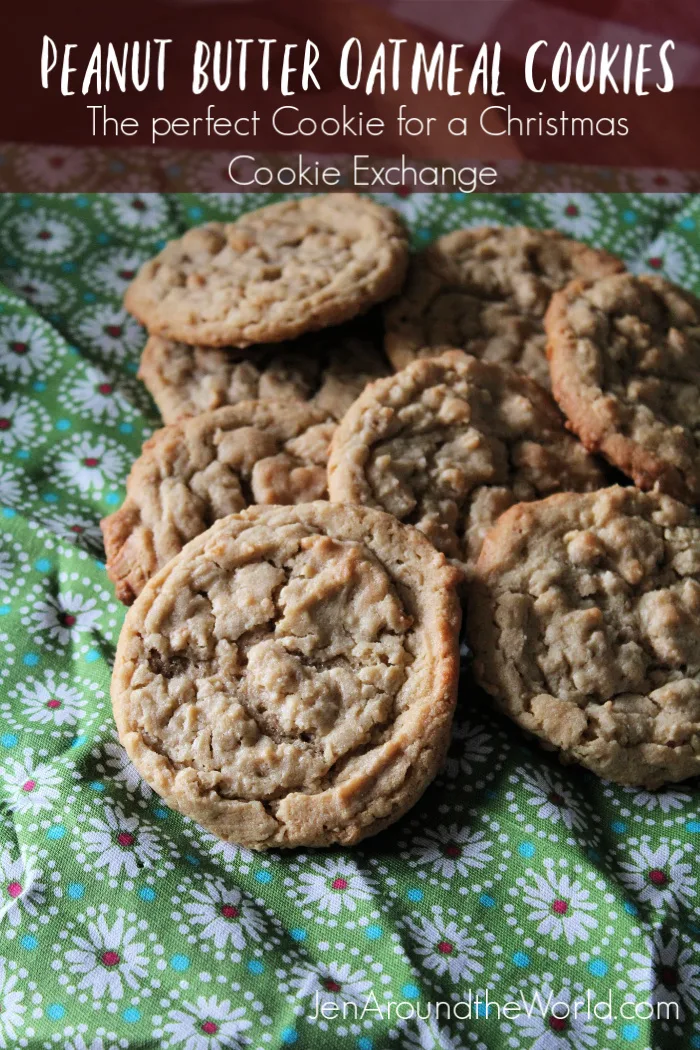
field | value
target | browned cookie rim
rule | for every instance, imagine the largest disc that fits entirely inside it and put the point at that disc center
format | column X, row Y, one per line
column 587, row 406
column 398, row 770
column 124, row 526
column 338, row 300
column 647, row 764
column 404, row 342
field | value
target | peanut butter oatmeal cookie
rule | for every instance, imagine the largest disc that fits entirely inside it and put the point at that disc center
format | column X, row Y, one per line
column 449, row 443
column 274, row 274
column 289, row 678
column 486, row 290
column 328, row 369
column 625, row 363
column 584, row 618
column 204, row 468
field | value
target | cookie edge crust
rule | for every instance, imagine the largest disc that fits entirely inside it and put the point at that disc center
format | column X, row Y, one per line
column 646, row 765
column 402, row 767
column 585, row 406
column 129, row 573
column 334, row 310
column 401, row 350
column 151, row 375
column 349, row 454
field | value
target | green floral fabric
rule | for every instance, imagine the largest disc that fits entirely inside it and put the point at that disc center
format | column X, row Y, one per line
column 123, row 924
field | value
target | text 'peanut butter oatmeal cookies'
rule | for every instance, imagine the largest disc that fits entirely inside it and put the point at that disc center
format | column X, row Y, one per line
column 584, row 619
column 625, row 363
column 449, row 443
column 191, row 473
column 289, row 679
column 485, row 290
column 274, row 274
column 328, row 369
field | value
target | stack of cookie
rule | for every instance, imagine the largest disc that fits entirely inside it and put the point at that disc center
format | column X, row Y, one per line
column 297, row 541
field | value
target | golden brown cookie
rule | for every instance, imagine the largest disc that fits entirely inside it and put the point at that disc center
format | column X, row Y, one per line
column 274, row 274
column 203, row 468
column 328, row 369
column 625, row 363
column 584, row 620
column 485, row 290
column 449, row 443
column 289, row 678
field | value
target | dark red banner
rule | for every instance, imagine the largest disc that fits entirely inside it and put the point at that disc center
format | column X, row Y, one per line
column 388, row 89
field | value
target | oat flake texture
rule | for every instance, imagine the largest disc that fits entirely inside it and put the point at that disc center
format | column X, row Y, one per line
column 126, row 926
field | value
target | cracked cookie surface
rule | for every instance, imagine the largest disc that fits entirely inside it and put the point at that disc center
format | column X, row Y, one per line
column 449, row 443
column 625, row 363
column 289, row 679
column 327, row 369
column 485, row 290
column 584, row 620
column 189, row 474
column 275, row 273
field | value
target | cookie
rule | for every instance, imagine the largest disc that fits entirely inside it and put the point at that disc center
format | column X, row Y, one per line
column 274, row 274
column 290, row 678
column 329, row 369
column 625, row 363
column 449, row 443
column 204, row 468
column 486, row 290
column 584, row 619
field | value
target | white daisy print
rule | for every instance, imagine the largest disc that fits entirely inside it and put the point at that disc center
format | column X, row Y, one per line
column 11, row 485
column 53, row 167
column 560, row 905
column 12, row 1014
column 134, row 212
column 30, row 786
column 551, row 800
column 332, row 983
column 21, row 888
column 659, row 877
column 110, row 1041
column 579, row 214
column 554, row 1023
column 451, row 850
column 475, row 745
column 21, row 422
column 39, row 234
column 444, row 947
column 229, row 852
column 120, row 843
column 41, row 292
column 205, row 1024
column 108, row 960
column 669, row 255
column 27, row 348
column 90, row 463
column 6, row 569
column 115, row 272
column 667, row 973
column 95, row 396
column 120, row 768
column 224, row 915
column 667, row 800
column 109, row 330
column 63, row 616
column 333, row 885
column 51, row 701
column 76, row 527
column 419, row 1034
